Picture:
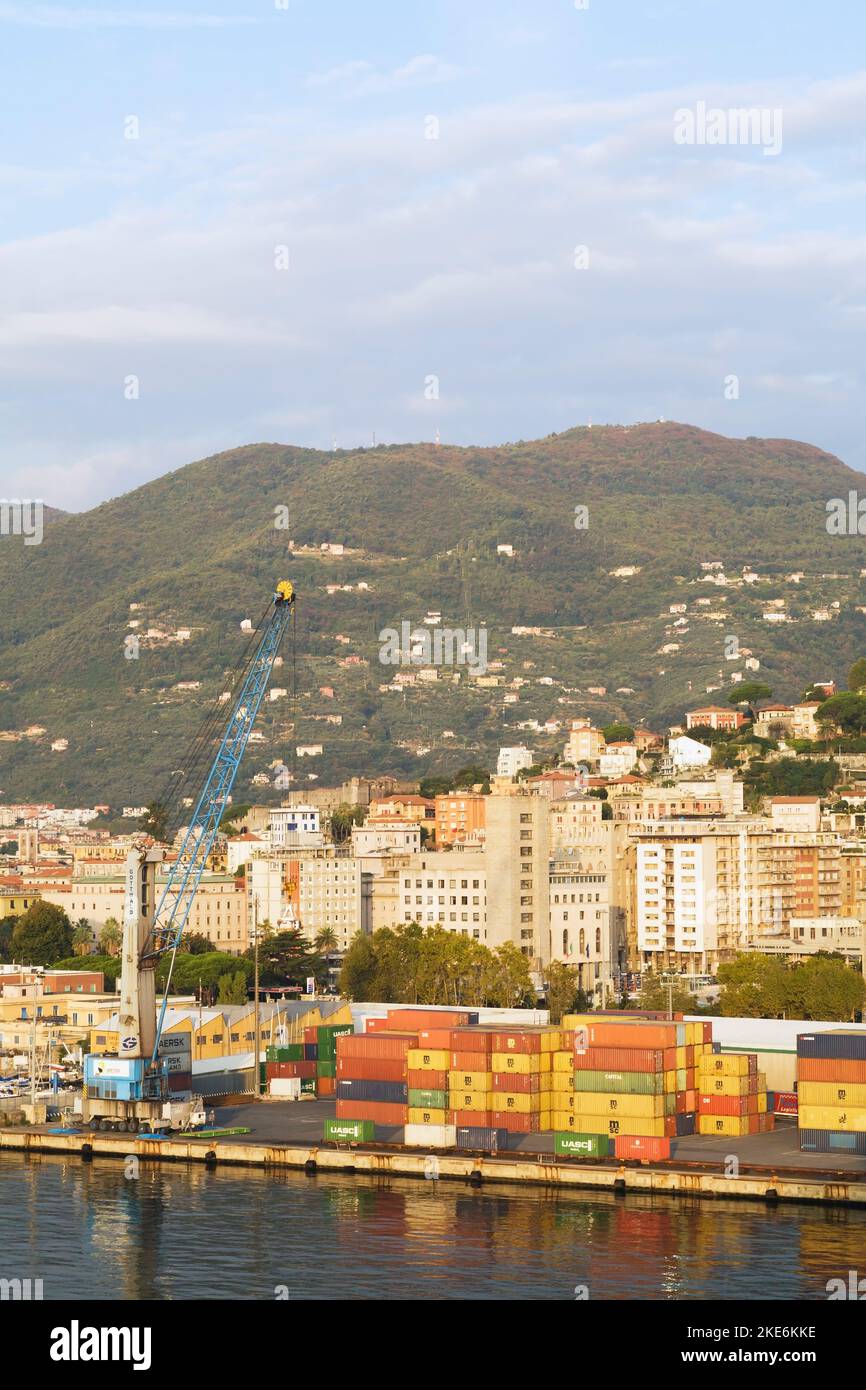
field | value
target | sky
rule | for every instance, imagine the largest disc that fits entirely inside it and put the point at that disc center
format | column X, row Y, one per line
column 318, row 222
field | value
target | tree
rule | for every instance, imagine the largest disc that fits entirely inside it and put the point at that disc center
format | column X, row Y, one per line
column 857, row 675
column 360, row 969
column 748, row 693
column 82, row 937
column 657, row 996
column 111, row 937
column 845, row 711
column 562, row 989
column 325, row 941
column 42, row 935
column 286, row 958
column 471, row 776
column 7, row 927
column 154, row 822
column 436, row 785
column 618, row 733
column 342, row 820
column 195, row 943
column 232, row 988
column 753, row 986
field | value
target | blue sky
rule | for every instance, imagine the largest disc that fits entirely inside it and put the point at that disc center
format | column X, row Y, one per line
column 150, row 267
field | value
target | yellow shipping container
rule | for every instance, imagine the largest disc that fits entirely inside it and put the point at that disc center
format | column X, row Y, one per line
column 671, row 1086
column 851, row 1119
column 545, row 1120
column 561, row 1081
column 563, row 1061
column 517, row 1101
column 560, row 1101
column 563, row 1120
column 724, row 1064
column 762, row 1102
column 470, row 1081
column 421, row 1059
column 523, row 1063
column 595, row 1103
column 471, row 1100
column 832, row 1093
column 620, row 1124
column 682, row 1060
column 551, row 1041
column 426, row 1117
column 724, row 1085
column 733, row 1125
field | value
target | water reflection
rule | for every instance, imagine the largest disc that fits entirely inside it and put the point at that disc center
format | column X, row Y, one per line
column 91, row 1231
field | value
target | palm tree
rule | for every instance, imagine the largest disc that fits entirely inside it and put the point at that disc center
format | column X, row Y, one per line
column 326, row 941
column 82, row 937
column 111, row 937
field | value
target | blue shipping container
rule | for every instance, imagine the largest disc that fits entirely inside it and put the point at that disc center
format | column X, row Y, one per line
column 311, row 1052
column 842, row 1045
column 390, row 1092
column 830, row 1141
column 478, row 1137
column 685, row 1124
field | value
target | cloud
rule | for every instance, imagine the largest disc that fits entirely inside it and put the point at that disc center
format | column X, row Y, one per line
column 361, row 78
column 73, row 17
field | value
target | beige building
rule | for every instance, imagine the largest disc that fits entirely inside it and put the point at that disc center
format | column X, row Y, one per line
column 517, row 852
column 448, row 888
column 587, row 908
column 585, row 744
column 316, row 887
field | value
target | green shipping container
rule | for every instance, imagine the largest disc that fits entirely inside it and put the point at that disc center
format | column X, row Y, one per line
column 627, row 1083
column 429, row 1100
column 326, row 1068
column 327, row 1036
column 289, row 1052
column 308, row 1086
column 581, row 1145
column 362, row 1131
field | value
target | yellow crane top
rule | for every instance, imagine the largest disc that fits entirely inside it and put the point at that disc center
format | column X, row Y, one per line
column 285, row 591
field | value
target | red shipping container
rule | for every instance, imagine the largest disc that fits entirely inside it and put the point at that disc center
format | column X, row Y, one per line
column 381, row 1045
column 845, row 1069
column 766, row 1122
column 690, row 1054
column 422, row 1080
column 376, row 1025
column 436, row 1039
column 725, row 1105
column 670, row 1059
column 519, row 1083
column 326, row 1086
column 426, row 1018
column 470, row 1040
column 680, row 1103
column 691, row 1100
column 311, row 1035
column 619, row 1059
column 566, row 1040
column 754, row 1124
column 691, row 1078
column 283, row 1069
column 469, row 1061
column 469, row 1119
column 372, row 1069
column 518, row 1040
column 376, row 1110
column 515, row 1124
column 642, row 1146
column 708, row 1032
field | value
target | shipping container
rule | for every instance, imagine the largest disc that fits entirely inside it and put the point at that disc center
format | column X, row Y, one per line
column 589, row 1032
column 783, row 1103
column 471, row 1100
column 386, row 1115
column 843, row 1043
column 273, row 1069
column 627, row 1124
column 599, row 1103
column 573, row 1145
column 649, row 1149
column 426, row 1115
column 469, row 1119
column 311, row 1052
column 829, row 1141
column 384, row 1045
column 686, row 1124
column 430, row 1018
column 831, row 1069
column 471, row 1040
column 328, row 1068
column 516, row 1102
column 620, row 1059
column 350, row 1131
column 470, row 1081
column 309, row 1085
column 832, row 1093
column 726, row 1105
column 842, row 1117
column 469, row 1061
column 530, row 1083
column 326, row 1085
column 728, row 1085
column 389, row 1092
column 421, row 1135
column 516, row 1123
column 428, row 1100
column 422, row 1079
column 481, row 1137
column 728, row 1064
column 525, row 1062
column 563, row 1061
column 434, row 1039
column 733, row 1125
column 373, row 1069
column 311, row 1034
column 559, row 1081
column 179, row 1081
column 288, row 1087
column 526, row 1041
column 428, row 1059
column 290, row 1052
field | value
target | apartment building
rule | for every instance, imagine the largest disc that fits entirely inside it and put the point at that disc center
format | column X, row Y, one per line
column 514, row 760
column 572, row 821
column 585, row 744
column 587, row 919
column 448, row 888
column 218, row 911
column 459, row 816
column 319, row 886
column 517, row 851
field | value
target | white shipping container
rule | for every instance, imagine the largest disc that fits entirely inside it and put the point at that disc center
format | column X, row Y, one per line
column 289, row 1087
column 430, row 1136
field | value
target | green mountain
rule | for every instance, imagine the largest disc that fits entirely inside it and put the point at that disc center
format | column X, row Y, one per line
column 200, row 549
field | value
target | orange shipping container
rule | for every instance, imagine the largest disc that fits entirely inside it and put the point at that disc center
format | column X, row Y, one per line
column 470, row 1061
column 529, row 1123
column 619, row 1059
column 326, row 1085
column 521, row 1083
column 424, row 1018
column 724, row 1105
column 434, row 1039
column 425, row 1080
column 470, row 1118
column 378, row 1045
column 629, row 1035
column 518, row 1040
column 470, row 1040
column 375, row 1110
column 372, row 1069
column 640, row 1146
column 842, row 1069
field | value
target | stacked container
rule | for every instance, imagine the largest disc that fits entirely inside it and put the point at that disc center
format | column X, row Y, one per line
column 291, row 1060
column 733, row 1095
column 521, row 1082
column 634, row 1080
column 372, row 1077
column 326, row 1055
column 831, row 1089
column 470, row 1078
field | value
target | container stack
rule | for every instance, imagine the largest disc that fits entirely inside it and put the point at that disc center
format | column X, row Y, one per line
column 470, row 1078
column 372, row 1077
column 522, row 1078
column 635, row 1081
column 290, row 1060
column 831, row 1089
column 733, row 1095
column 326, row 1055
